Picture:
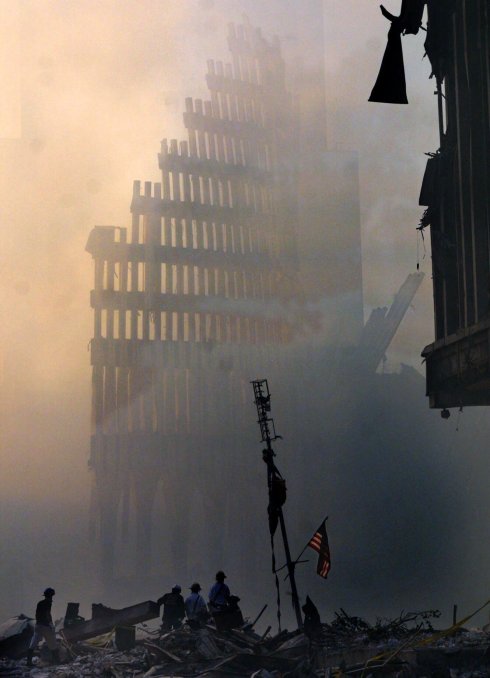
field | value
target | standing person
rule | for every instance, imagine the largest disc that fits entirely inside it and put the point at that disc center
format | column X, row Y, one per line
column 219, row 595
column 195, row 607
column 173, row 608
column 44, row 628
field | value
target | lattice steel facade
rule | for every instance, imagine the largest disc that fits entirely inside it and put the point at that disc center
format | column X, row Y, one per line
column 194, row 299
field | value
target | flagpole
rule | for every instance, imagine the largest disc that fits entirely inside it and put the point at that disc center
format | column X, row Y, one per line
column 308, row 542
column 262, row 401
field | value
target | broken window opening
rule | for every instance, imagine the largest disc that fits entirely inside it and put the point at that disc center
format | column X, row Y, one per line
column 196, row 279
column 183, row 225
column 224, row 146
column 194, row 234
column 171, row 185
column 175, row 326
column 105, row 275
column 201, row 190
column 206, row 142
column 115, row 320
column 103, row 323
column 117, row 276
column 224, row 237
column 185, row 281
column 227, row 289
column 174, row 278
column 140, row 276
column 181, row 186
column 206, row 282
column 173, row 232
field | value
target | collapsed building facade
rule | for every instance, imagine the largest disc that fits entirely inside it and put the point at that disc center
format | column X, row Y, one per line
column 193, row 298
column 455, row 190
column 212, row 287
column 244, row 262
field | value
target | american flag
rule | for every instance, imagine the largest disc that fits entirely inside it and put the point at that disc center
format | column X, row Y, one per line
column 319, row 543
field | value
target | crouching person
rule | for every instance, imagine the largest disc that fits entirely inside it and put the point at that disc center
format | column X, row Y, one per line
column 44, row 628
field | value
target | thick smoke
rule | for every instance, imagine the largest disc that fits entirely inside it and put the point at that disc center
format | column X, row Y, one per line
column 100, row 84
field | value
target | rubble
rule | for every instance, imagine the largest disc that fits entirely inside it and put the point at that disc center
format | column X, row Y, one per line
column 15, row 635
column 348, row 646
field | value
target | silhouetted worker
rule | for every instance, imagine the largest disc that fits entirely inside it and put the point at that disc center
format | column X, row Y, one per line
column 195, row 607
column 312, row 623
column 173, row 608
column 44, row 628
column 219, row 595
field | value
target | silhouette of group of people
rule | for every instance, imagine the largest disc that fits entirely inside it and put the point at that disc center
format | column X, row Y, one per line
column 175, row 610
column 194, row 607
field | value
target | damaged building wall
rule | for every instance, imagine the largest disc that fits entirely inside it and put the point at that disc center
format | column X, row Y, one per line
column 246, row 256
column 455, row 191
column 192, row 300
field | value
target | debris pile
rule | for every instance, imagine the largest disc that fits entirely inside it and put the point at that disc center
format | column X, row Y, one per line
column 348, row 646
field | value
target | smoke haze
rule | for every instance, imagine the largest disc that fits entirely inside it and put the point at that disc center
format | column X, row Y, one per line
column 89, row 90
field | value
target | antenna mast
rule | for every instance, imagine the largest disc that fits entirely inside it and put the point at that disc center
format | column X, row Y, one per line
column 275, row 482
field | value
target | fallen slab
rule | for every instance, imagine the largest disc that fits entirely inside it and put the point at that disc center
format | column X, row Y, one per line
column 99, row 624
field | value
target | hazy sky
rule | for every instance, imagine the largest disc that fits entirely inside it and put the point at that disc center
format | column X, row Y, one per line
column 89, row 89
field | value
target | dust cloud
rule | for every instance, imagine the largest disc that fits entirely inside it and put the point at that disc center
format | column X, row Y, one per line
column 91, row 88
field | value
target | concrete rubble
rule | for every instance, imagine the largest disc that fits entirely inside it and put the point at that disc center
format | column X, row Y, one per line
column 348, row 646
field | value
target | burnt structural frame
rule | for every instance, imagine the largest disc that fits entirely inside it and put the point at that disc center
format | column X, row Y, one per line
column 193, row 295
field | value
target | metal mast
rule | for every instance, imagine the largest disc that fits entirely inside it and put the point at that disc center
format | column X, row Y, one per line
column 275, row 482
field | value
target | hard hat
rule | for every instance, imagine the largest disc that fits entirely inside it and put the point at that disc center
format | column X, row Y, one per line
column 176, row 589
column 49, row 591
column 220, row 575
column 195, row 588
